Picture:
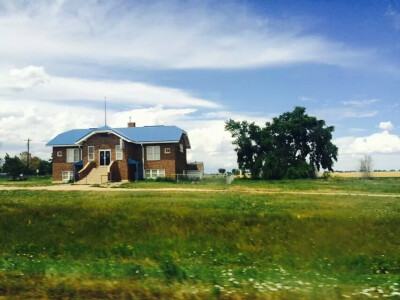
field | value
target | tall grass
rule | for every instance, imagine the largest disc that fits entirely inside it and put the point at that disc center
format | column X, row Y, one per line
column 197, row 245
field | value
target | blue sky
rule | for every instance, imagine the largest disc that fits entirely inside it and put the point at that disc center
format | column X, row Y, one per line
column 195, row 64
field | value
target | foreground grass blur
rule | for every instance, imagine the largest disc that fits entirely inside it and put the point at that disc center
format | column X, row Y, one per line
column 197, row 245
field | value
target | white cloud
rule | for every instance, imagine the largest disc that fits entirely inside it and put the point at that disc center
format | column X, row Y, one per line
column 159, row 35
column 343, row 113
column 27, row 77
column 383, row 142
column 355, row 129
column 35, row 84
column 157, row 115
column 360, row 103
column 306, row 99
column 383, row 147
column 386, row 126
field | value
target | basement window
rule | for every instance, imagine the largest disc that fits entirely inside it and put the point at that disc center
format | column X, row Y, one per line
column 154, row 173
column 67, row 176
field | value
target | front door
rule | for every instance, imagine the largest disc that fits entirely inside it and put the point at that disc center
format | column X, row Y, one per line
column 105, row 156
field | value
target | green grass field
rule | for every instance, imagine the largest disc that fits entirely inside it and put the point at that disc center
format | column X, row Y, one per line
column 31, row 181
column 202, row 245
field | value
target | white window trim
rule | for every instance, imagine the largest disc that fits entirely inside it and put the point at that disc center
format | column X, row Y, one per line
column 59, row 153
column 167, row 150
column 93, row 152
column 74, row 159
column 154, row 173
column 67, row 176
column 119, row 154
column 151, row 154
column 181, row 147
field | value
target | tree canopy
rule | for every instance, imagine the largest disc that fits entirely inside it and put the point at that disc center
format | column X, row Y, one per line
column 293, row 145
column 13, row 166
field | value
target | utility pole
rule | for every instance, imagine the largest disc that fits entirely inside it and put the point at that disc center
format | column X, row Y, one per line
column 28, row 157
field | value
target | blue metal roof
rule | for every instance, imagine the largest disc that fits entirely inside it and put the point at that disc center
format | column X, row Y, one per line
column 151, row 133
column 69, row 137
column 147, row 134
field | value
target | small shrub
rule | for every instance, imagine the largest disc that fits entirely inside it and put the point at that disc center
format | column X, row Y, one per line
column 302, row 170
column 326, row 175
column 171, row 270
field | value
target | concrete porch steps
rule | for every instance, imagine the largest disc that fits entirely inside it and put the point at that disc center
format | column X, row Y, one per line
column 96, row 176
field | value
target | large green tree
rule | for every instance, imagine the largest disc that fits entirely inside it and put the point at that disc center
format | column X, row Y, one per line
column 293, row 145
column 13, row 166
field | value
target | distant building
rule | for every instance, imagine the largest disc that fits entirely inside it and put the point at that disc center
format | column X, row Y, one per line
column 195, row 169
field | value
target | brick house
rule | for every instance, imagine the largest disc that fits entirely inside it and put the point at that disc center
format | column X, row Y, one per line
column 98, row 155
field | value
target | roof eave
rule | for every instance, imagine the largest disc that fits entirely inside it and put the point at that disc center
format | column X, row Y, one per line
column 73, row 145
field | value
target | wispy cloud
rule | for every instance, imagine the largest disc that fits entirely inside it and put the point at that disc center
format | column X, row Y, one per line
column 159, row 34
column 355, row 129
column 394, row 16
column 35, row 84
column 339, row 113
column 306, row 99
column 360, row 103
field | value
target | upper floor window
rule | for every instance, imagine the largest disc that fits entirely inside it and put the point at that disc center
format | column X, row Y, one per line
column 181, row 147
column 118, row 152
column 91, row 153
column 167, row 150
column 59, row 153
column 72, row 155
column 153, row 152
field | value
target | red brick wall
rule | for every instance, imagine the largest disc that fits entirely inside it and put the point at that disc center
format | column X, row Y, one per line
column 60, row 163
column 105, row 141
column 173, row 163
column 181, row 159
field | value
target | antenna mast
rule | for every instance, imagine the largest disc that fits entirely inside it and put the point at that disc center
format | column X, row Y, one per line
column 105, row 111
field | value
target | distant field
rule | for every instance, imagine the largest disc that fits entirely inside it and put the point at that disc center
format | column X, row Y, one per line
column 373, row 174
column 202, row 245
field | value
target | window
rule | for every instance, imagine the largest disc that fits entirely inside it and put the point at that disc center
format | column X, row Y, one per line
column 153, row 152
column 181, row 147
column 72, row 155
column 118, row 152
column 59, row 153
column 154, row 173
column 67, row 175
column 91, row 153
column 167, row 150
